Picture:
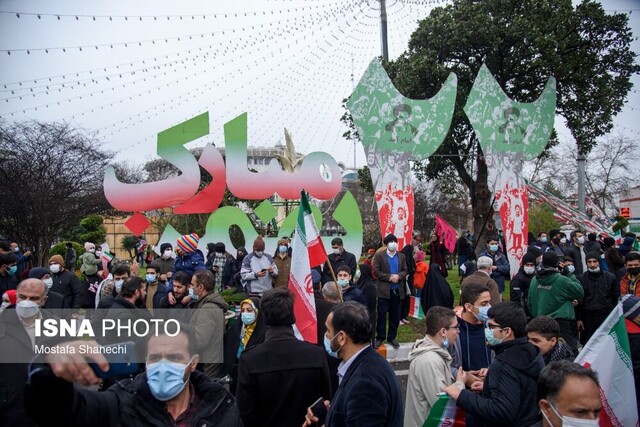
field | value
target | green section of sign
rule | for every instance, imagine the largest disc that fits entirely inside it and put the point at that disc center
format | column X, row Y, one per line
column 506, row 126
column 388, row 121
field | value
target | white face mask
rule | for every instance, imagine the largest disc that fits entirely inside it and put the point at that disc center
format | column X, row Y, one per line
column 48, row 282
column 167, row 254
column 572, row 422
column 26, row 309
column 54, row 268
column 392, row 246
column 529, row 270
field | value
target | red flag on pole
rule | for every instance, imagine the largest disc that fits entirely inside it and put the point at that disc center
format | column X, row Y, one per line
column 446, row 233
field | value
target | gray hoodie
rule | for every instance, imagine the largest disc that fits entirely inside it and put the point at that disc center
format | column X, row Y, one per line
column 429, row 373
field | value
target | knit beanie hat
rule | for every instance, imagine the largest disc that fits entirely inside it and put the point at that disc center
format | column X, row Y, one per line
column 188, row 243
column 38, row 272
column 164, row 247
column 420, row 256
column 57, row 259
column 592, row 255
column 550, row 259
column 529, row 258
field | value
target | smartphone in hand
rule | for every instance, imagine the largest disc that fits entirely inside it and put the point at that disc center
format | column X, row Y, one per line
column 319, row 410
column 121, row 361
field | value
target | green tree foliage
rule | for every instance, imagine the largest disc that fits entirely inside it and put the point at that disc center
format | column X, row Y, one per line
column 523, row 42
column 50, row 178
column 93, row 229
column 128, row 243
column 61, row 249
column 541, row 218
column 364, row 175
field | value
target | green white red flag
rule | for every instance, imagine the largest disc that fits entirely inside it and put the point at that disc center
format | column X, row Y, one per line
column 415, row 309
column 445, row 413
column 307, row 251
column 608, row 353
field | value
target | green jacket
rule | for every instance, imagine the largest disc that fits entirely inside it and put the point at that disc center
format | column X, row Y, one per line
column 551, row 294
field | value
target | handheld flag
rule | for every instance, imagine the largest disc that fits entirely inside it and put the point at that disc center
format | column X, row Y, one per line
column 446, row 233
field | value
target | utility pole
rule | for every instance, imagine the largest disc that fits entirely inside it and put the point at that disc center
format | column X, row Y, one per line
column 581, row 183
column 383, row 29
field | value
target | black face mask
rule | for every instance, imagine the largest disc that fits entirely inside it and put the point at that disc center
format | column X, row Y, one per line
column 634, row 271
column 556, row 240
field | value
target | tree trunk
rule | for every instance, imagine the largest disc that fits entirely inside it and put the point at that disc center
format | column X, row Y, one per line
column 481, row 204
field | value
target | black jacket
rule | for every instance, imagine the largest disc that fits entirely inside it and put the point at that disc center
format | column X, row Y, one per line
column 576, row 254
column 369, row 394
column 436, row 291
column 601, row 293
column 279, row 379
column 127, row 403
column 55, row 301
column 68, row 284
column 232, row 343
column 8, row 282
column 509, row 394
column 337, row 261
column 519, row 289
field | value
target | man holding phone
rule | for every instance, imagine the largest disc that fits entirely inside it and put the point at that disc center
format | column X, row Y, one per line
column 170, row 392
column 258, row 269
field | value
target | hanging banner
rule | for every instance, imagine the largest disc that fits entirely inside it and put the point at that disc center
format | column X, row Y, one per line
column 510, row 132
column 393, row 130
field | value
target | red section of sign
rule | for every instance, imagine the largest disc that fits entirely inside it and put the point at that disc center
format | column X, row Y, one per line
column 137, row 224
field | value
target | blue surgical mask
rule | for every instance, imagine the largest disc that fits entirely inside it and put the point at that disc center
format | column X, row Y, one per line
column 327, row 346
column 493, row 248
column 248, row 317
column 571, row 268
column 483, row 314
column 445, row 343
column 193, row 295
column 490, row 338
column 12, row 270
column 118, row 284
column 283, row 248
column 343, row 282
column 150, row 278
column 543, row 239
column 166, row 379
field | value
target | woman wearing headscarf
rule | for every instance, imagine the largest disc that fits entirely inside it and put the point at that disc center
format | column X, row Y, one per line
column 411, row 269
column 246, row 332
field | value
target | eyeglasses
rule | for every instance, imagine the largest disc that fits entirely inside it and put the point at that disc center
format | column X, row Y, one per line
column 490, row 326
column 453, row 327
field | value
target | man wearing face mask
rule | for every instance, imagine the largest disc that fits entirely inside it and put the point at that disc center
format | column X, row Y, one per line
column 519, row 289
column 282, row 259
column 471, row 351
column 155, row 290
column 208, row 322
column 508, row 395
column 500, row 269
column 554, row 294
column 65, row 282
column 630, row 282
column 258, row 269
column 170, row 392
column 601, row 293
column 482, row 276
column 54, row 299
column 349, row 292
column 390, row 269
column 568, row 395
column 556, row 245
column 165, row 262
column 369, row 393
column 17, row 340
column 430, row 368
column 543, row 242
column 8, row 270
column 577, row 252
column 338, row 257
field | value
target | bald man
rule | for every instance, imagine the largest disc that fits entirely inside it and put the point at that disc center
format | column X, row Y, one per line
column 17, row 338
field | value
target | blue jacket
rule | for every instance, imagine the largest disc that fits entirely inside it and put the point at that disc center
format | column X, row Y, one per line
column 369, row 394
column 190, row 263
column 503, row 271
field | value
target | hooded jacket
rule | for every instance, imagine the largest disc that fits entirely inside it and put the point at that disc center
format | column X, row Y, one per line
column 551, row 294
column 519, row 289
column 127, row 403
column 429, row 372
column 471, row 346
column 188, row 262
column 208, row 326
column 509, row 394
column 601, row 293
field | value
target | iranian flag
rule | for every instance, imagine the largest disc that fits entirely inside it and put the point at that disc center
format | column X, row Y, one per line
column 608, row 353
column 415, row 309
column 445, row 413
column 307, row 252
column 105, row 257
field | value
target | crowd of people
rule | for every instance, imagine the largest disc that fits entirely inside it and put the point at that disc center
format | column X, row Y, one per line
column 504, row 363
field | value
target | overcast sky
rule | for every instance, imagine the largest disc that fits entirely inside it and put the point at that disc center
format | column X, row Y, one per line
column 288, row 63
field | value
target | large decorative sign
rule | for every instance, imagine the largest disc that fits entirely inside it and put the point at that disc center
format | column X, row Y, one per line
column 509, row 133
column 319, row 175
column 393, row 130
